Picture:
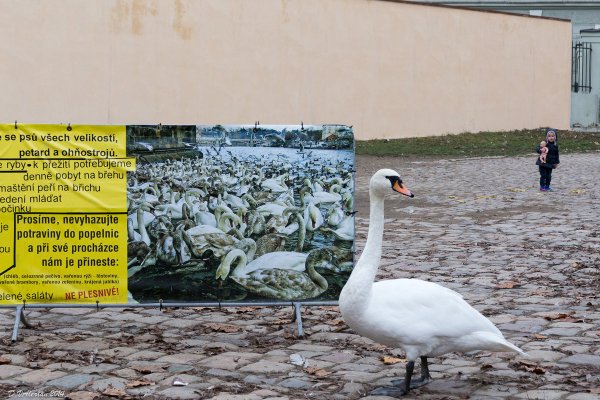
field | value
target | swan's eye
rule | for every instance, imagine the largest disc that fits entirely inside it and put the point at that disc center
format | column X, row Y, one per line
column 393, row 179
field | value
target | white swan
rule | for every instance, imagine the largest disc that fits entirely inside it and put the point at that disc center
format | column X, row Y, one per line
column 271, row 209
column 275, row 185
column 313, row 218
column 141, row 226
column 269, row 280
column 345, row 230
column 325, row 197
column 423, row 318
column 278, row 259
column 147, row 216
column 335, row 215
column 132, row 235
column 204, row 217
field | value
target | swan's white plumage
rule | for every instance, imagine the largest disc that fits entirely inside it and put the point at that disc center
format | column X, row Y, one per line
column 423, row 318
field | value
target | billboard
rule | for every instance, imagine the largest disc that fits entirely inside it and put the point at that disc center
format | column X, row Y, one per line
column 141, row 213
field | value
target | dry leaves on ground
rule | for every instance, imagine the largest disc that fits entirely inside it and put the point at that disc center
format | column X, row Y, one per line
column 563, row 317
column 138, row 383
column 114, row 392
column 82, row 395
column 318, row 372
column 226, row 328
column 148, row 368
column 507, row 285
column 529, row 367
column 387, row 360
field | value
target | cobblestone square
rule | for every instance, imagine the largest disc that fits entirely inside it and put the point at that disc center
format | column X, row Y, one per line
column 529, row 261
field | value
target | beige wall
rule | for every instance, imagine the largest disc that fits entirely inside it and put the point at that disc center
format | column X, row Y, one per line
column 391, row 69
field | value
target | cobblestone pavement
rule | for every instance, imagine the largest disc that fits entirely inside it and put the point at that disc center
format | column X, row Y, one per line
column 530, row 261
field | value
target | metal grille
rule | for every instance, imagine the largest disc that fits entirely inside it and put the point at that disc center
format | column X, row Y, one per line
column 581, row 67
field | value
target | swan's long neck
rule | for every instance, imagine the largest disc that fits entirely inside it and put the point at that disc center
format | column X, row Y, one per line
column 357, row 292
column 316, row 277
column 301, row 233
column 240, row 269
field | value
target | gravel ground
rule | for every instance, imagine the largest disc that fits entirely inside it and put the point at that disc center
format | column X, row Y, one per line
column 530, row 261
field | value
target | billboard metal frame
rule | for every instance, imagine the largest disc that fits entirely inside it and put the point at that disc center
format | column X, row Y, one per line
column 297, row 306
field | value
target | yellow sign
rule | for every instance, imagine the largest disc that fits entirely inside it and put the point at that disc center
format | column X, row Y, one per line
column 63, row 202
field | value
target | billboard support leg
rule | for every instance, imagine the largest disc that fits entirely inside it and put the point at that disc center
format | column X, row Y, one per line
column 298, row 318
column 19, row 317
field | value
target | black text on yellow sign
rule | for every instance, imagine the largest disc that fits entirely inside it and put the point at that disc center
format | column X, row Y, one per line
column 63, row 228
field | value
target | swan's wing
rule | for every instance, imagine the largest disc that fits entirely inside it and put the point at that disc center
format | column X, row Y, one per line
column 271, row 209
column 203, row 230
column 205, row 218
column 281, row 284
column 279, row 259
column 425, row 315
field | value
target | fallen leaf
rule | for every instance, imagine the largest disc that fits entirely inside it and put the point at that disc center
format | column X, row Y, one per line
column 377, row 347
column 226, row 328
column 538, row 336
column 552, row 317
column 138, row 383
column 280, row 321
column 318, row 372
column 240, row 310
column 574, row 320
column 542, row 292
column 148, row 369
column 82, row 395
column 392, row 360
column 4, row 360
column 289, row 335
column 113, row 392
column 529, row 367
column 507, row 285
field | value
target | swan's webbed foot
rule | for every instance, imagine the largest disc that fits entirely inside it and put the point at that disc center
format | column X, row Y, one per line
column 414, row 383
column 403, row 386
column 388, row 391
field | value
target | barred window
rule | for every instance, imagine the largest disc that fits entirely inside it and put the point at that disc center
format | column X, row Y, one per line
column 581, row 67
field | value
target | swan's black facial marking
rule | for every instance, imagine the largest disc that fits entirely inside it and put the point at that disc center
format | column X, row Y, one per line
column 397, row 186
column 393, row 179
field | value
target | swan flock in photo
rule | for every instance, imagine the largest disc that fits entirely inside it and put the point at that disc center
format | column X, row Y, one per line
column 241, row 223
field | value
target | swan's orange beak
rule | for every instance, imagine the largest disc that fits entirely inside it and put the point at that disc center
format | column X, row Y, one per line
column 398, row 187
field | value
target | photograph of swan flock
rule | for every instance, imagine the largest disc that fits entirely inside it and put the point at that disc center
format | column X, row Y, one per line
column 240, row 213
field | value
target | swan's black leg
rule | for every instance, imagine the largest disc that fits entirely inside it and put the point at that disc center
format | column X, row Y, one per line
column 425, row 377
column 403, row 385
column 425, row 368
